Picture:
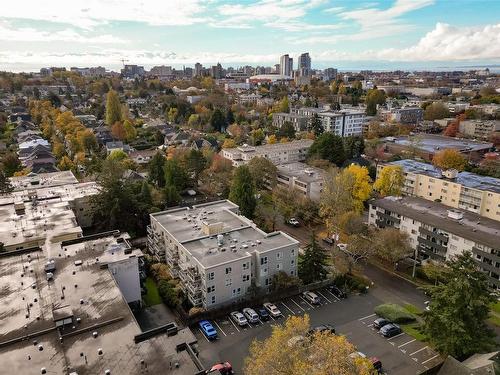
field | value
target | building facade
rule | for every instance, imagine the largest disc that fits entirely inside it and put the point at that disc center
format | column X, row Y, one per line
column 463, row 190
column 437, row 232
column 217, row 254
column 286, row 65
column 479, row 128
column 303, row 178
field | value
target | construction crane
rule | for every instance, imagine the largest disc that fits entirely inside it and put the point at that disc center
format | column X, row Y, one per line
column 123, row 62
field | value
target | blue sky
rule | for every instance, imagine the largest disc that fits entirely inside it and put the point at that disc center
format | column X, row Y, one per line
column 345, row 34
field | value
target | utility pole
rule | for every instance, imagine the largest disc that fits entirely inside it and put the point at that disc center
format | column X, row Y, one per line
column 415, row 263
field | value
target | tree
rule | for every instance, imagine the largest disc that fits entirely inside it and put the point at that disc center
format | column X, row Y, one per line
column 5, row 185
column 88, row 141
column 328, row 146
column 354, row 146
column 264, row 173
column 168, row 293
column 352, row 223
column 316, row 125
column 118, row 131
column 390, row 180
column 229, row 117
column 455, row 323
column 362, row 187
column 272, row 139
column 130, row 131
column 11, row 164
column 286, row 201
column 155, row 168
column 195, row 164
column 113, row 108
column 313, row 262
column 287, row 130
column 290, row 350
column 452, row 129
column 242, row 191
column 282, row 280
column 172, row 196
column 374, row 97
column 145, row 197
column 66, row 164
column 392, row 245
column 449, row 159
column 359, row 249
column 283, row 105
column 175, row 175
column 436, row 111
column 218, row 120
column 257, row 136
column 229, row 143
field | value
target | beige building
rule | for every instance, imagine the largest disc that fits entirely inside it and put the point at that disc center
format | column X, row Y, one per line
column 438, row 232
column 278, row 153
column 479, row 128
column 216, row 253
column 303, row 178
column 463, row 190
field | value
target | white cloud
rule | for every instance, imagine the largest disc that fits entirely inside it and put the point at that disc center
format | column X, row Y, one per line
column 333, row 10
column 89, row 13
column 29, row 34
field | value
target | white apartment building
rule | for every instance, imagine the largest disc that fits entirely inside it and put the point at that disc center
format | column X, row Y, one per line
column 479, row 128
column 248, row 98
column 463, row 190
column 217, row 253
column 278, row 153
column 438, row 232
column 343, row 123
column 302, row 178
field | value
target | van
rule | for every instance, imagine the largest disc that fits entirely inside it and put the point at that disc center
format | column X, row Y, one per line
column 312, row 298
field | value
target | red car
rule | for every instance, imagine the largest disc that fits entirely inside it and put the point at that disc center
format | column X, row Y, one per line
column 223, row 368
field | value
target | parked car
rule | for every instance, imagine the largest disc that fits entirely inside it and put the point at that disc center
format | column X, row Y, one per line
column 294, row 222
column 337, row 292
column 251, row 315
column 342, row 246
column 328, row 240
column 322, row 328
column 272, row 309
column 377, row 364
column 224, row 368
column 263, row 314
column 239, row 318
column 312, row 298
column 380, row 322
column 390, row 330
column 208, row 329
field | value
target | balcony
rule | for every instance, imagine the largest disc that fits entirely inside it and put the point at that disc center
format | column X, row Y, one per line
column 430, row 253
column 440, row 236
column 383, row 217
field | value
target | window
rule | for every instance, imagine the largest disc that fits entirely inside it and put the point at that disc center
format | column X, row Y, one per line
column 292, row 262
column 211, row 276
column 229, row 282
column 245, row 265
column 228, row 270
column 213, row 300
column 263, row 260
column 292, row 252
column 279, row 255
column 211, row 289
column 279, row 266
column 266, row 282
column 246, row 278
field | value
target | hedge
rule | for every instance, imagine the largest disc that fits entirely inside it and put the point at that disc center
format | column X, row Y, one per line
column 395, row 313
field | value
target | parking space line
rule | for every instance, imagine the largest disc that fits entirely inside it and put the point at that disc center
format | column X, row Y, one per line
column 303, row 299
column 406, row 343
column 394, row 337
column 287, row 308
column 218, row 326
column 234, row 325
column 300, row 307
column 337, row 298
column 418, row 351
column 366, row 317
column 322, row 295
column 370, row 325
column 203, row 335
column 430, row 359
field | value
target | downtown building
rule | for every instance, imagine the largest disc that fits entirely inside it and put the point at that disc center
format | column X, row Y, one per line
column 217, row 254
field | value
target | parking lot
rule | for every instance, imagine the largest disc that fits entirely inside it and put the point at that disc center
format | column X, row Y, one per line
column 352, row 317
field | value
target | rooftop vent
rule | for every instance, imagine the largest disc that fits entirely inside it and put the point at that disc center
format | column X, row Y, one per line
column 456, row 215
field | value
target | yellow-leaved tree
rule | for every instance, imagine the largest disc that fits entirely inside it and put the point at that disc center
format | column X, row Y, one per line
column 362, row 187
column 390, row 181
column 291, row 351
column 449, row 159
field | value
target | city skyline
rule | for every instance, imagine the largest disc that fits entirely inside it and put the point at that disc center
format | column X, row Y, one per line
column 418, row 34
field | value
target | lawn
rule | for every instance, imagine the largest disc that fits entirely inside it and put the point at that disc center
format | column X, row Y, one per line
column 413, row 309
column 495, row 307
column 152, row 297
column 413, row 330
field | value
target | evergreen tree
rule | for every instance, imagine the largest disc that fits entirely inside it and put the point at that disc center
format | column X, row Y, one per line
column 229, row 117
column 329, row 147
column 175, row 175
column 113, row 108
column 313, row 263
column 145, row 196
column 156, row 172
column 218, row 120
column 172, row 196
column 195, row 164
column 354, row 146
column 243, row 191
column 316, row 125
column 456, row 320
column 287, row 131
column 5, row 185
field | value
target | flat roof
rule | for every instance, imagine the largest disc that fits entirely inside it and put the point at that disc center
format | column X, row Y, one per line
column 467, row 179
column 433, row 143
column 41, row 180
column 472, row 227
column 298, row 144
column 241, row 236
column 302, row 171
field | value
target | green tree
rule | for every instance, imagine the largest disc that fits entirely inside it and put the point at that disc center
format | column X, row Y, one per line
column 113, row 108
column 172, row 196
column 316, row 125
column 373, row 98
column 195, row 164
column 145, row 195
column 436, row 111
column 282, row 280
column 287, row 130
column 264, row 173
column 354, row 146
column 242, row 191
column 313, row 262
column 392, row 245
column 456, row 321
column 11, row 164
column 168, row 293
column 229, row 117
column 5, row 185
column 329, row 147
column 218, row 120
column 175, row 175
column 155, row 168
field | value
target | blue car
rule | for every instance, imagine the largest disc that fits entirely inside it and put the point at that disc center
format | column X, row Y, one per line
column 208, row 329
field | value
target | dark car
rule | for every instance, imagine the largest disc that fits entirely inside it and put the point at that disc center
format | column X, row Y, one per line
column 263, row 314
column 223, row 368
column 337, row 292
column 321, row 328
column 377, row 364
column 390, row 330
column 328, row 240
column 380, row 322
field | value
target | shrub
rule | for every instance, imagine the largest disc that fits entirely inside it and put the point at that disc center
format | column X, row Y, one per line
column 394, row 313
column 352, row 282
column 168, row 294
column 160, row 272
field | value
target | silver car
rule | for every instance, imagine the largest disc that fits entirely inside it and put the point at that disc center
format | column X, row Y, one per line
column 239, row 318
column 251, row 315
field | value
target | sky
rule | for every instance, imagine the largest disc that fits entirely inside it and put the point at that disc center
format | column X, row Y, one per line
column 347, row 34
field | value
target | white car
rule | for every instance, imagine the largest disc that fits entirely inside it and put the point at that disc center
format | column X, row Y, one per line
column 293, row 221
column 342, row 246
column 273, row 310
column 251, row 315
column 239, row 318
column 312, row 298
